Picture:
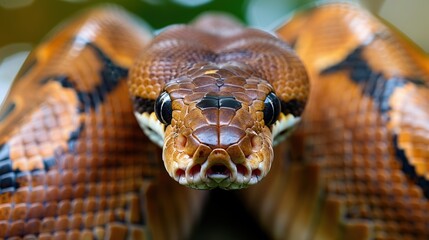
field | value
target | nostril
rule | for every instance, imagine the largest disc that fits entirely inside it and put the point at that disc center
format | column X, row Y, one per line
column 218, row 170
column 241, row 169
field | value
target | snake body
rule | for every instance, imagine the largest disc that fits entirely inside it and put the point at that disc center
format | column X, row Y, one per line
column 74, row 164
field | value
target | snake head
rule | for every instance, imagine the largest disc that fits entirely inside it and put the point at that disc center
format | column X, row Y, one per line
column 217, row 102
column 216, row 125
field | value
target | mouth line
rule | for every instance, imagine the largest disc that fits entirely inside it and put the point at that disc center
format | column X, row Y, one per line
column 215, row 175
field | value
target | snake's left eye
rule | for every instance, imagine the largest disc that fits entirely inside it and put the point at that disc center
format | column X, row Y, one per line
column 163, row 108
column 272, row 109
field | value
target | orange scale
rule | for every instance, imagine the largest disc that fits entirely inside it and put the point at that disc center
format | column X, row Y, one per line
column 17, row 152
column 48, row 225
column 100, row 218
column 52, row 193
column 79, row 190
column 80, row 175
column 17, row 228
column 102, row 204
column 91, row 189
column 37, row 194
column 90, row 204
column 67, row 176
column 57, row 135
column 36, row 211
column 35, row 162
column 32, row 226
column 19, row 212
column 77, row 206
column 64, row 207
column 76, row 222
column 53, row 178
column 21, row 195
column 88, row 220
column 5, row 211
column 59, row 234
column 66, row 192
column 101, row 189
column 41, row 136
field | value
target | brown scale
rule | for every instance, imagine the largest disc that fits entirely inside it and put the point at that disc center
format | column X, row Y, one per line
column 190, row 63
column 103, row 182
column 339, row 177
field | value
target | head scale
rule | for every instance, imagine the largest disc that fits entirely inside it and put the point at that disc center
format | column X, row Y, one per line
column 216, row 120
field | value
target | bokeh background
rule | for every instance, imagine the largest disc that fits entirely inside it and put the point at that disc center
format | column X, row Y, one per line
column 23, row 23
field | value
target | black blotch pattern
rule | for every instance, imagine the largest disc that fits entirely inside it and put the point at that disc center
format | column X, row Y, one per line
column 142, row 105
column 8, row 181
column 294, row 107
column 48, row 163
column 5, row 167
column 111, row 74
column 380, row 89
column 5, row 111
column 9, row 178
column 4, row 152
column 374, row 84
column 210, row 101
column 410, row 169
column 74, row 136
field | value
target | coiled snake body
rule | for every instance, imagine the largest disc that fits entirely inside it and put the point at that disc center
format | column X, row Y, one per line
column 74, row 164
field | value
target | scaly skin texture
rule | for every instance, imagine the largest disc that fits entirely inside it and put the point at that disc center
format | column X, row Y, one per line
column 74, row 164
column 356, row 168
column 73, row 161
column 193, row 62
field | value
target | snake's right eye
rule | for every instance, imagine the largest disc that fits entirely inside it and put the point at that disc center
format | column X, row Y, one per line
column 163, row 108
column 272, row 109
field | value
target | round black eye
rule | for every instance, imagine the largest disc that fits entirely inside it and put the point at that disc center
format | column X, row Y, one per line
column 272, row 109
column 163, row 108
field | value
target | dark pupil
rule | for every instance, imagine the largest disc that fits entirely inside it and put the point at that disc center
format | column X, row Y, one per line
column 272, row 109
column 163, row 108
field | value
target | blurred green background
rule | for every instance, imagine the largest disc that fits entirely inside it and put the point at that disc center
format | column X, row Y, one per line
column 24, row 23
